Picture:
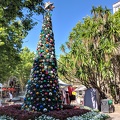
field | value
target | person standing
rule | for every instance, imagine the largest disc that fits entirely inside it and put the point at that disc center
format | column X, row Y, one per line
column 11, row 96
column 71, row 94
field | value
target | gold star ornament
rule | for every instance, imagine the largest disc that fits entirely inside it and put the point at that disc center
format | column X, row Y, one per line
column 49, row 6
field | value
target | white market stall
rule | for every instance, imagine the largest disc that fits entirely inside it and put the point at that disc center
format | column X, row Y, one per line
column 64, row 90
column 61, row 83
column 80, row 90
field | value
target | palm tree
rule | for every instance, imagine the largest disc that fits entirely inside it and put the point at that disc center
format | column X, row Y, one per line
column 62, row 48
column 106, row 13
column 100, row 11
column 93, row 11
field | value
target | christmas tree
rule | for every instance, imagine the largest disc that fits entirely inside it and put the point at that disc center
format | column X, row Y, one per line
column 43, row 88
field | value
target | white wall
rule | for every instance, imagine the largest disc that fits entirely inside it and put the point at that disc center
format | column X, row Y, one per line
column 116, row 6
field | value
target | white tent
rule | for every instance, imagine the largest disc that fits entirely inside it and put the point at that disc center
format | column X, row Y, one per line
column 61, row 83
column 82, row 87
column 0, row 84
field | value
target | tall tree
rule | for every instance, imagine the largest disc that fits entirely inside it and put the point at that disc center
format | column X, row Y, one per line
column 15, row 22
column 22, row 69
column 92, row 45
column 11, row 37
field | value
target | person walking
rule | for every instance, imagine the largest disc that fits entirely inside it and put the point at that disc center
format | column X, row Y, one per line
column 11, row 96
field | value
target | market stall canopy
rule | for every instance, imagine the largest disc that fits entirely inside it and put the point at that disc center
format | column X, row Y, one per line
column 11, row 89
column 1, row 85
column 61, row 83
column 4, row 89
column 8, row 89
column 82, row 87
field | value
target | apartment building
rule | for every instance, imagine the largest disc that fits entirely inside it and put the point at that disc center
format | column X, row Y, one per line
column 116, row 6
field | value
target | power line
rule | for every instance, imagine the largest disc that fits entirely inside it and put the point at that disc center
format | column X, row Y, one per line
column 37, row 20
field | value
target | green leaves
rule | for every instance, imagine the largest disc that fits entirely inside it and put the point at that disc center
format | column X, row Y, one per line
column 22, row 70
column 15, row 22
column 91, row 48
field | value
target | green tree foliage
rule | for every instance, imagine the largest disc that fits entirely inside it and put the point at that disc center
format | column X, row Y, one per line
column 11, row 39
column 20, row 9
column 92, row 45
column 22, row 70
column 15, row 22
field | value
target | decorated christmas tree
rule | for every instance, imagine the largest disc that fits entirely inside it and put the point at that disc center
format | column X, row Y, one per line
column 43, row 89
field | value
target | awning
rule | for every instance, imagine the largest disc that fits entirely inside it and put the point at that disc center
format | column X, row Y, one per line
column 8, row 89
column 82, row 87
column 11, row 89
column 61, row 83
column 1, row 85
column 4, row 89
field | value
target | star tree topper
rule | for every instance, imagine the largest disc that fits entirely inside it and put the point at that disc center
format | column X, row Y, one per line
column 49, row 6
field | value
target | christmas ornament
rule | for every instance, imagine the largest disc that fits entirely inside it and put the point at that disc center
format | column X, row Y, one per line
column 43, row 99
column 45, row 110
column 50, row 93
column 51, row 108
column 49, row 6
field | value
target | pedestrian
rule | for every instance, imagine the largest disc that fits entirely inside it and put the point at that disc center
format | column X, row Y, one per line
column 11, row 97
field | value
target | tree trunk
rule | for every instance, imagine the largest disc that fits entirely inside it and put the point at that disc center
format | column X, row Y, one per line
column 21, row 85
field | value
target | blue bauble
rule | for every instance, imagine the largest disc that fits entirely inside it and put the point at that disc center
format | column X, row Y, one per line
column 41, row 106
column 47, row 45
column 37, row 86
column 28, row 81
column 54, row 91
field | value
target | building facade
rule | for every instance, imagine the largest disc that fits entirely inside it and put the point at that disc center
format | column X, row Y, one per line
column 116, row 6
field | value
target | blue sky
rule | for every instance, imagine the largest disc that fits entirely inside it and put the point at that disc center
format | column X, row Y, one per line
column 65, row 16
